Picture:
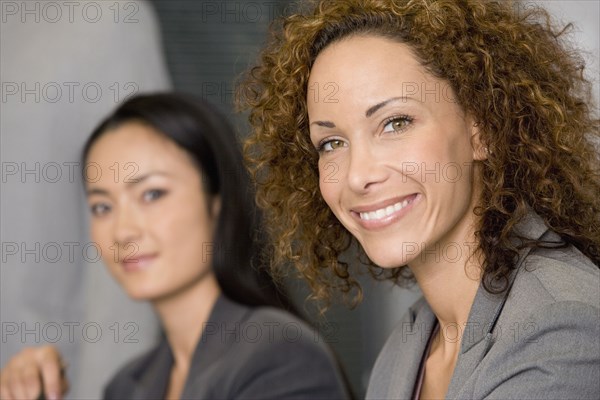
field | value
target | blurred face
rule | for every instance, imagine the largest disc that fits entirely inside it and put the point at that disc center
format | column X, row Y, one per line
column 150, row 216
column 396, row 159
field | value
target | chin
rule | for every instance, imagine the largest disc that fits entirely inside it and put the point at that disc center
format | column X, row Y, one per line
column 388, row 259
column 139, row 296
column 143, row 294
column 388, row 264
column 387, row 252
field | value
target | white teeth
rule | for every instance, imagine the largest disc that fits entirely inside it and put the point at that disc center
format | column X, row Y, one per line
column 384, row 212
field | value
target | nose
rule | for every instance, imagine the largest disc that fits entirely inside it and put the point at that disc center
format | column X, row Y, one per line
column 127, row 227
column 365, row 168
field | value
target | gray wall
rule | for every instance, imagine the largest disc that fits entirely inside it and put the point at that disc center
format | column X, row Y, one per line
column 60, row 73
column 585, row 16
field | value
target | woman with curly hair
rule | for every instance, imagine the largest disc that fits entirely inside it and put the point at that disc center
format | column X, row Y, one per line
column 453, row 141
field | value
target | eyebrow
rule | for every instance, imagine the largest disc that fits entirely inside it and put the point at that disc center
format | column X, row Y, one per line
column 325, row 124
column 129, row 182
column 376, row 107
column 370, row 111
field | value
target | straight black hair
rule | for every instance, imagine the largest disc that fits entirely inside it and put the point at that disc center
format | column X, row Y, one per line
column 205, row 134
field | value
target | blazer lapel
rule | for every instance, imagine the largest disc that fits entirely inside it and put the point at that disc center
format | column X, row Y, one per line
column 150, row 381
column 220, row 332
column 478, row 335
column 413, row 340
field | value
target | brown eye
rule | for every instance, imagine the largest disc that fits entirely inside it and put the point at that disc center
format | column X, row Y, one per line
column 331, row 145
column 397, row 124
column 336, row 143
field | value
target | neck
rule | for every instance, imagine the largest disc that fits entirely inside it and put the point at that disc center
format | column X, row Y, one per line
column 183, row 316
column 449, row 279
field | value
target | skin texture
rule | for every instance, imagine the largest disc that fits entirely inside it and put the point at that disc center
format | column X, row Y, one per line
column 418, row 146
column 375, row 152
column 164, row 215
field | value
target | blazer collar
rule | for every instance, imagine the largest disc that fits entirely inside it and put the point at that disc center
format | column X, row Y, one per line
column 486, row 309
column 219, row 333
column 414, row 336
column 151, row 379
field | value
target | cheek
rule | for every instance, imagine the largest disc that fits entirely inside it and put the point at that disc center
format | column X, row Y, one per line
column 330, row 170
column 328, row 183
column 190, row 245
column 185, row 227
column 458, row 144
column 332, row 195
column 437, row 162
column 100, row 233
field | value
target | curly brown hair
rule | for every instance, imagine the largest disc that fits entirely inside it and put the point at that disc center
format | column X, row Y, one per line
column 509, row 67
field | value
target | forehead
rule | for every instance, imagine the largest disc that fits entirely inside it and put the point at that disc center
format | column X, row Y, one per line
column 367, row 67
column 134, row 148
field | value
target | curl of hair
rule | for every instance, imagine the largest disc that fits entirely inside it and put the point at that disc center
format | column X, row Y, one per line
column 509, row 67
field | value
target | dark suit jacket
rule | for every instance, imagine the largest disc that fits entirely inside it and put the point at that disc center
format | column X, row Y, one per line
column 244, row 353
column 540, row 340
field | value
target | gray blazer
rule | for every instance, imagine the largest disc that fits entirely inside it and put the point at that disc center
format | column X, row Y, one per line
column 243, row 353
column 540, row 340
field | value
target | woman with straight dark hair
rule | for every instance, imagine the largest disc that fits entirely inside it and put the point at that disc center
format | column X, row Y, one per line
column 174, row 218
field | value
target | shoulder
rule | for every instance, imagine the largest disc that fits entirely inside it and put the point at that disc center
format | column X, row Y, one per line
column 561, row 274
column 280, row 356
column 268, row 329
column 554, row 285
column 547, row 338
column 280, row 335
column 555, row 290
column 256, row 329
column 555, row 271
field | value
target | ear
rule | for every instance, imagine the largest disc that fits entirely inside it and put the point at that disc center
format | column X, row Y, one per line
column 480, row 150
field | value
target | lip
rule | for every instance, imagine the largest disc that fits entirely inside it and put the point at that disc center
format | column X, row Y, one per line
column 390, row 219
column 138, row 263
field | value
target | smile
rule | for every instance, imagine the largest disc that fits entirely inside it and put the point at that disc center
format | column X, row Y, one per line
column 386, row 211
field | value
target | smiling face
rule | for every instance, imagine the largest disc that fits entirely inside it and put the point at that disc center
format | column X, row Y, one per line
column 396, row 158
column 150, row 215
